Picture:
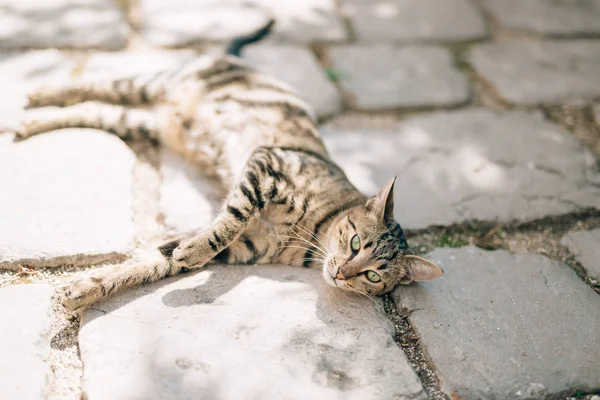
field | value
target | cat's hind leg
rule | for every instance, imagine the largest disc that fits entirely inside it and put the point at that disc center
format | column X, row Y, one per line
column 127, row 123
column 137, row 90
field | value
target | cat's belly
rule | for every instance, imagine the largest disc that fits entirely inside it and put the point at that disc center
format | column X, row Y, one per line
column 223, row 138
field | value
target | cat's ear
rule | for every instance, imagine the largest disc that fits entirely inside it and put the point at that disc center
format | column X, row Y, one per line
column 383, row 202
column 419, row 269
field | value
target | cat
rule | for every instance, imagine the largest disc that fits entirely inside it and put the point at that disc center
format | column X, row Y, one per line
column 287, row 200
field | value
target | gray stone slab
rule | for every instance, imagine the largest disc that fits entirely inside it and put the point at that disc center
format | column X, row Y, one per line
column 124, row 64
column 66, row 198
column 181, row 22
column 384, row 76
column 255, row 332
column 501, row 326
column 596, row 112
column 22, row 72
column 298, row 67
column 62, row 23
column 25, row 324
column 414, row 20
column 188, row 200
column 547, row 17
column 471, row 164
column 586, row 247
column 533, row 72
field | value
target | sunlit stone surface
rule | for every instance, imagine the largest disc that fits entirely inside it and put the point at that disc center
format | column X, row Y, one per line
column 471, row 164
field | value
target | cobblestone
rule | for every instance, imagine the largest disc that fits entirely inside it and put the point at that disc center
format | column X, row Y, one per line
column 502, row 326
column 540, row 72
column 181, row 22
column 548, row 17
column 25, row 323
column 66, row 199
column 62, row 23
column 471, row 165
column 414, row 20
column 199, row 334
column 584, row 245
column 385, row 76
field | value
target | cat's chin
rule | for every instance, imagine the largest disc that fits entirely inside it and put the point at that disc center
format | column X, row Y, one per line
column 327, row 276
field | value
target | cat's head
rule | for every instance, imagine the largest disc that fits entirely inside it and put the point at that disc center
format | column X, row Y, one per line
column 367, row 251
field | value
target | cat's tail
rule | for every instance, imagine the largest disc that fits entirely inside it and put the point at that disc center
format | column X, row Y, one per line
column 236, row 45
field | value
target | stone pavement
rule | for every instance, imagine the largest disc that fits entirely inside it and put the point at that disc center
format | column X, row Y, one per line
column 451, row 96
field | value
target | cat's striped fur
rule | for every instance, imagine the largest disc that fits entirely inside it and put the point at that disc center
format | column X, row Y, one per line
column 288, row 202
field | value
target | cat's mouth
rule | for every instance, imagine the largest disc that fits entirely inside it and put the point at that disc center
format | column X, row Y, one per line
column 330, row 279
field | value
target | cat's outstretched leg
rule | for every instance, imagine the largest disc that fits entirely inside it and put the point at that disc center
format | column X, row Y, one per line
column 261, row 180
column 127, row 123
column 109, row 280
column 257, row 186
column 132, row 91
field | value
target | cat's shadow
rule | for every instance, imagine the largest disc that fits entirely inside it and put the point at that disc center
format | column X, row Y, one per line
column 211, row 285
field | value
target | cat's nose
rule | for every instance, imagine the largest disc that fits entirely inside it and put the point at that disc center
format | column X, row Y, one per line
column 340, row 275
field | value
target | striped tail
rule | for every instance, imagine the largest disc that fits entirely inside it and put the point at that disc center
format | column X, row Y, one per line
column 236, row 45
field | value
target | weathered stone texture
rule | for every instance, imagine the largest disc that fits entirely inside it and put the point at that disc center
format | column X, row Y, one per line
column 501, row 326
column 586, row 247
column 62, row 23
column 471, row 164
column 414, row 20
column 385, row 76
column 267, row 332
column 180, row 22
column 547, row 17
column 25, row 323
column 540, row 72
column 65, row 199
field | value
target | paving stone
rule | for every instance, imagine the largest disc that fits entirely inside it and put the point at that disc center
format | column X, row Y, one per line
column 124, row 64
column 25, row 323
column 585, row 247
column 414, row 20
column 62, row 23
column 546, row 16
column 501, row 326
column 532, row 72
column 298, row 67
column 471, row 164
column 269, row 332
column 181, row 22
column 188, row 200
column 22, row 72
column 596, row 112
column 384, row 76
column 65, row 199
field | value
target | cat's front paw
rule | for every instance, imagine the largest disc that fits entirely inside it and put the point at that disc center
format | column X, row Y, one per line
column 191, row 254
column 82, row 294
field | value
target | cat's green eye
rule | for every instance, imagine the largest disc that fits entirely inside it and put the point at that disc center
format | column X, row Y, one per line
column 373, row 276
column 355, row 243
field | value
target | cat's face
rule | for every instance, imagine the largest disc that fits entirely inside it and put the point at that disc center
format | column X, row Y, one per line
column 367, row 252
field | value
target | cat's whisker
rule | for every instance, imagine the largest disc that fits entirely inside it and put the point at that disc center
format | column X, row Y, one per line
column 316, row 249
column 313, row 235
column 320, row 249
column 303, row 248
column 301, row 238
column 305, row 241
column 308, row 259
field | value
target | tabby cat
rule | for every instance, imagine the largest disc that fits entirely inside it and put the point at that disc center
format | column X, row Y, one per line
column 287, row 200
